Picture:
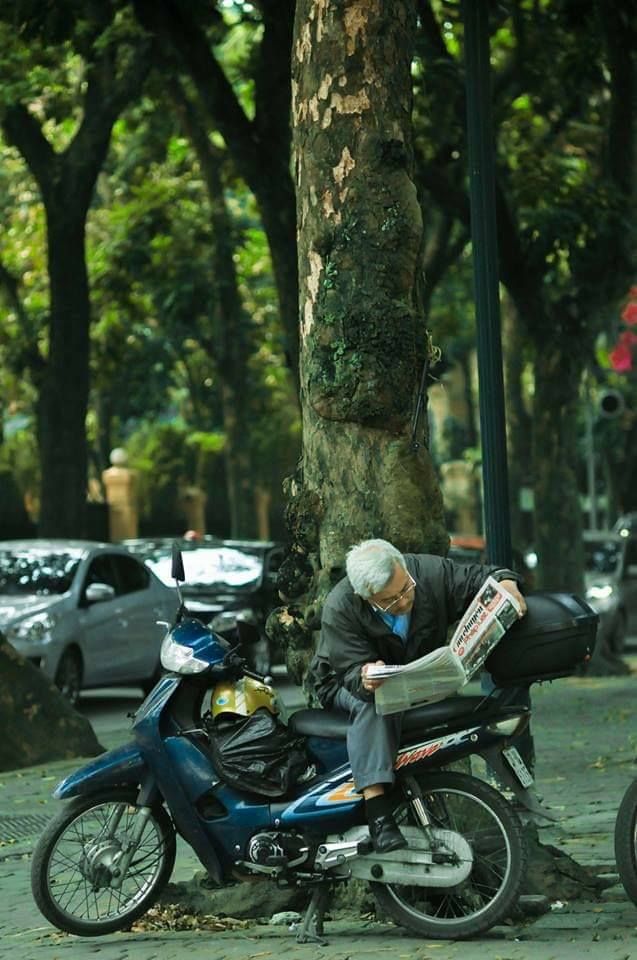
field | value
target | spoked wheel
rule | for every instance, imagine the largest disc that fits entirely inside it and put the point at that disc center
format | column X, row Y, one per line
column 68, row 677
column 79, row 876
column 491, row 884
column 626, row 841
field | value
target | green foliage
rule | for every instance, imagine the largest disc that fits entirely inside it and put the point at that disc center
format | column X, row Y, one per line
column 164, row 460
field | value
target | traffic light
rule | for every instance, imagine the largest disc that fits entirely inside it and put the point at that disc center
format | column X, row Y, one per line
column 610, row 403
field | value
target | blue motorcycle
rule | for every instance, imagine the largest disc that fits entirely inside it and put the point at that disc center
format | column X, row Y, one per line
column 104, row 860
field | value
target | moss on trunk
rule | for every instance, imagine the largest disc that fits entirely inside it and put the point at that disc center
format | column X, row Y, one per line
column 37, row 723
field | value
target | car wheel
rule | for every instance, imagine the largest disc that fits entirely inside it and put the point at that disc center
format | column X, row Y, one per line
column 68, row 677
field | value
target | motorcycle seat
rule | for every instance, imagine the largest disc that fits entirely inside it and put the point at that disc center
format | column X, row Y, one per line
column 333, row 724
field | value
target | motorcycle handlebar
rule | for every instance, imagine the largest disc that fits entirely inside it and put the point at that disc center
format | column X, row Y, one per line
column 236, row 662
column 257, row 676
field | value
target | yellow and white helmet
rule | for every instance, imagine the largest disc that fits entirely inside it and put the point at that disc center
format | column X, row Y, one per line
column 242, row 697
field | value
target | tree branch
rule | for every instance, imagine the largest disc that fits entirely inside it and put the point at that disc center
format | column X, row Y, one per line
column 28, row 355
column 23, row 131
column 620, row 35
column 176, row 28
column 107, row 94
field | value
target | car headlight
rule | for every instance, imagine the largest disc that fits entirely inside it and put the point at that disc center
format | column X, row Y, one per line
column 602, row 597
column 599, row 592
column 35, row 629
column 180, row 659
column 228, row 619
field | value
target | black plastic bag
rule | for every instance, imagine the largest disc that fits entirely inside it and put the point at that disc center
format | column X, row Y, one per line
column 257, row 753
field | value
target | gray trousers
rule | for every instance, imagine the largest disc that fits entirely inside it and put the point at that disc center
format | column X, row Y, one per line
column 372, row 741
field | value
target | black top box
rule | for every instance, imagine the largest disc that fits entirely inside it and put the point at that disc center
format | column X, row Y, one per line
column 556, row 635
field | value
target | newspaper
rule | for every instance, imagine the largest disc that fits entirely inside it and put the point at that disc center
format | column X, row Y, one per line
column 446, row 670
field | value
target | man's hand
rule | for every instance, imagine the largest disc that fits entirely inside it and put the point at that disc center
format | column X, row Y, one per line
column 371, row 684
column 512, row 587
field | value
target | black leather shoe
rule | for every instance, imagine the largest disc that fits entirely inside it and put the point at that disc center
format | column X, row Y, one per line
column 385, row 834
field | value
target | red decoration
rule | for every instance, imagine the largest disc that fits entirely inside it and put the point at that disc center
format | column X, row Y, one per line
column 623, row 353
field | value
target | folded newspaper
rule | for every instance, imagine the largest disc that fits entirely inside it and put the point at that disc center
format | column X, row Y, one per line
column 446, row 670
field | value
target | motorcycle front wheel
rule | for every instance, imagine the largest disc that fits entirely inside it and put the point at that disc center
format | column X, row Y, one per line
column 626, row 841
column 75, row 875
column 486, row 821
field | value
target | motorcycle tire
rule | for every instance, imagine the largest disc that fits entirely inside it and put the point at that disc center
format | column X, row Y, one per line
column 626, row 841
column 459, row 802
column 75, row 862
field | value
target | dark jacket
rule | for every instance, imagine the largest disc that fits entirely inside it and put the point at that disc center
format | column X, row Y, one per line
column 353, row 634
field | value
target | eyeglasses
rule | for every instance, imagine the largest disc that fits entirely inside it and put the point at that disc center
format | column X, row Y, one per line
column 392, row 601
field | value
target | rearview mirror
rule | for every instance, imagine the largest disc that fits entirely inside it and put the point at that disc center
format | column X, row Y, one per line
column 177, row 567
column 99, row 592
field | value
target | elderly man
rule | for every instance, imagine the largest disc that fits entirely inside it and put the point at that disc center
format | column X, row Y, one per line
column 390, row 608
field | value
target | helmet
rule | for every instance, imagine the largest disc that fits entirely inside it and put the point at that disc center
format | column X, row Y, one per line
column 242, row 697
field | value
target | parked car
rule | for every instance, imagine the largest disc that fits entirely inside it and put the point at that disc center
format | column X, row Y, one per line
column 230, row 584
column 610, row 570
column 86, row 613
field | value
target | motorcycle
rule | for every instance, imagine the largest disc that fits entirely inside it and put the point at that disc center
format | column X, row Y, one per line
column 104, row 860
column 626, row 841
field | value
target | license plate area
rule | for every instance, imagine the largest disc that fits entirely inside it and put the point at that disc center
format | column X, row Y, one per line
column 518, row 766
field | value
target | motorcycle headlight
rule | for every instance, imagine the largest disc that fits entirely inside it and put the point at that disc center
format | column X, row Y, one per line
column 35, row 629
column 180, row 659
column 228, row 619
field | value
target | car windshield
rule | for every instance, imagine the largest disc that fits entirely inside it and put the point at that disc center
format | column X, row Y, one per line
column 224, row 567
column 36, row 572
column 602, row 556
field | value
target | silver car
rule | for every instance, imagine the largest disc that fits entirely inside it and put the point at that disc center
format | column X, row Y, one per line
column 610, row 569
column 86, row 613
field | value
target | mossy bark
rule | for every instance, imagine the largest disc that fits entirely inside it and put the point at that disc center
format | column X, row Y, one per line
column 37, row 723
column 362, row 333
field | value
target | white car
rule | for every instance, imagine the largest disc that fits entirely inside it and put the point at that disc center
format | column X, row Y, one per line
column 86, row 613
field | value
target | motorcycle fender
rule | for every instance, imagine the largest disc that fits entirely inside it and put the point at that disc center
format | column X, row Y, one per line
column 122, row 766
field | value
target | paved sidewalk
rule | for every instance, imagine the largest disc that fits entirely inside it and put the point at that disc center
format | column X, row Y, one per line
column 586, row 741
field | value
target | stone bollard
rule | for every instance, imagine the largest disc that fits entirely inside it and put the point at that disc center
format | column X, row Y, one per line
column 120, row 482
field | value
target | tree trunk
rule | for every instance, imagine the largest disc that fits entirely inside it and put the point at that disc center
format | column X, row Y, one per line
column 559, row 546
column 259, row 146
column 519, row 424
column 63, row 398
column 37, row 723
column 66, row 181
column 229, row 341
column 363, row 341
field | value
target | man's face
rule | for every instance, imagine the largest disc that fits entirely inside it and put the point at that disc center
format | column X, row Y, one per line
column 398, row 596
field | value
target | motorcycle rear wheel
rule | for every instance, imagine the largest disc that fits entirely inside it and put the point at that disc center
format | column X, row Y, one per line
column 75, row 863
column 455, row 801
column 626, row 841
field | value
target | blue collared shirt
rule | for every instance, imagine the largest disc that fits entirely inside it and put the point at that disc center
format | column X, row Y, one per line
column 398, row 623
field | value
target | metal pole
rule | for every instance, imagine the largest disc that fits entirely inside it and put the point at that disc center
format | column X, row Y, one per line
column 590, row 460
column 486, row 280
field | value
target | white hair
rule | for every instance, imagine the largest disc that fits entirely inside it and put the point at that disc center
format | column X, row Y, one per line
column 371, row 564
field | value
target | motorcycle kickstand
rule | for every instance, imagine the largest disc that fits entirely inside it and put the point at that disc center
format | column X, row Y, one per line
column 311, row 928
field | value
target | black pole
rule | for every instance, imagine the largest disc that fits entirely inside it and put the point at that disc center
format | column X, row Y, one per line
column 485, row 268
